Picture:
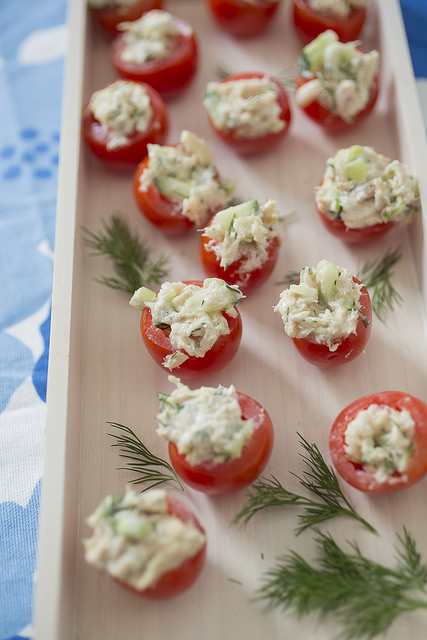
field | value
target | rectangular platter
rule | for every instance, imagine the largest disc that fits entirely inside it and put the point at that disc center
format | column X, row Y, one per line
column 100, row 371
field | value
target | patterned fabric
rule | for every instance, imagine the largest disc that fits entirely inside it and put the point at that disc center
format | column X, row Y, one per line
column 32, row 47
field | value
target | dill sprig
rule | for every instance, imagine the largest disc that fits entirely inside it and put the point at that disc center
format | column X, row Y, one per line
column 130, row 256
column 150, row 468
column 361, row 595
column 376, row 275
column 318, row 478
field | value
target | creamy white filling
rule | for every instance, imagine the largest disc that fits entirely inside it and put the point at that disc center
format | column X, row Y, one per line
column 337, row 8
column 387, row 191
column 151, row 37
column 123, row 108
column 326, row 319
column 381, row 440
column 247, row 107
column 205, row 424
column 137, row 541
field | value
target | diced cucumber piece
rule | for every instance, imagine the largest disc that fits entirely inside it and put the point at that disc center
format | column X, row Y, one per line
column 357, row 169
column 314, row 50
column 172, row 187
column 141, row 296
column 329, row 277
column 224, row 218
column 132, row 525
column 354, row 152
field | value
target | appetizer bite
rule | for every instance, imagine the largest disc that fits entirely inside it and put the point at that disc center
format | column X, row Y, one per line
column 159, row 49
column 191, row 328
column 337, row 83
column 250, row 112
column 327, row 314
column 109, row 13
column 363, row 194
column 148, row 542
column 345, row 17
column 243, row 18
column 121, row 119
column 220, row 440
column 379, row 442
column 177, row 187
column 240, row 245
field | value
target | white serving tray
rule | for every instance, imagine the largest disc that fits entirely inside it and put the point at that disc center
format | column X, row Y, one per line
column 99, row 370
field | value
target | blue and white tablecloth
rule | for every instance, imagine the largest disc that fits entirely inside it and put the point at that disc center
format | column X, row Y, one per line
column 32, row 49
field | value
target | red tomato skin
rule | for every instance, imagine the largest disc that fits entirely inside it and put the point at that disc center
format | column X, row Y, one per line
column 169, row 76
column 222, row 352
column 349, row 348
column 354, row 473
column 252, row 280
column 331, row 122
column 261, row 144
column 357, row 236
column 235, row 475
column 310, row 23
column 242, row 20
column 181, row 578
column 110, row 17
column 127, row 157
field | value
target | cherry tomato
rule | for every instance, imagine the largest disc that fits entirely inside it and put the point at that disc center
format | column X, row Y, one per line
column 236, row 474
column 127, row 156
column 222, row 352
column 247, row 281
column 349, row 348
column 181, row 578
column 330, row 121
column 263, row 143
column 163, row 212
column 354, row 473
column 310, row 23
column 110, row 16
column 243, row 19
column 169, row 76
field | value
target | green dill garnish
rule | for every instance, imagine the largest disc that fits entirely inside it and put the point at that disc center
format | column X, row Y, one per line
column 150, row 468
column 318, row 479
column 363, row 596
column 130, row 256
column 376, row 275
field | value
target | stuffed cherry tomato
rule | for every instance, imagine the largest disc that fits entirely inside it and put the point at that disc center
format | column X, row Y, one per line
column 159, row 49
column 379, row 442
column 133, row 535
column 220, row 440
column 363, row 194
column 240, row 245
column 177, row 187
column 250, row 112
column 243, row 18
column 121, row 120
column 337, row 84
column 190, row 328
column 327, row 314
column 109, row 13
column 312, row 17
